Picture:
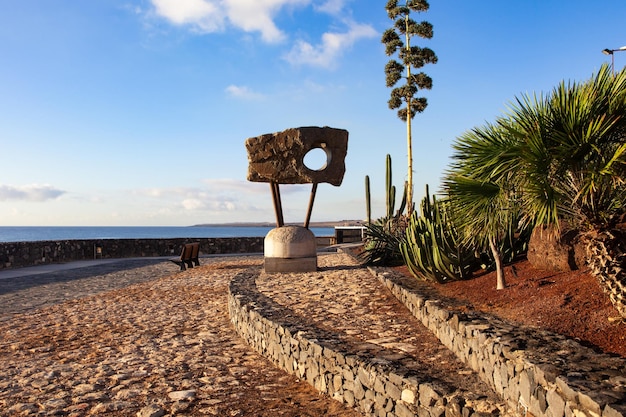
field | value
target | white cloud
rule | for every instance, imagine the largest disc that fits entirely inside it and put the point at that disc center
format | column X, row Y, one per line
column 202, row 15
column 226, row 197
column 235, row 186
column 211, row 15
column 332, row 46
column 247, row 188
column 34, row 192
column 216, row 196
column 258, row 15
column 243, row 92
column 332, row 7
column 193, row 204
column 208, row 16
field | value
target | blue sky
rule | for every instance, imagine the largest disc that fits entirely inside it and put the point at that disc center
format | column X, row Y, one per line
column 135, row 112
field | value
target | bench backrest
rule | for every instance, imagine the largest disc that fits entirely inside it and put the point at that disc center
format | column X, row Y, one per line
column 195, row 250
column 186, row 252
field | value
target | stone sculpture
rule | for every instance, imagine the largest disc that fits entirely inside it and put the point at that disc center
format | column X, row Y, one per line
column 278, row 158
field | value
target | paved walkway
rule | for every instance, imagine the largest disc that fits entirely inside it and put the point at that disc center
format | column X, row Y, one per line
column 25, row 289
column 46, row 269
column 137, row 337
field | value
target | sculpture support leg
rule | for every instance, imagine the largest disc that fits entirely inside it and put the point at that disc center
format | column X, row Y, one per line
column 310, row 209
column 278, row 206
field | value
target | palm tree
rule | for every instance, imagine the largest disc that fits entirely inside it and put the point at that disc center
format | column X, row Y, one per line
column 572, row 155
column 563, row 158
column 482, row 192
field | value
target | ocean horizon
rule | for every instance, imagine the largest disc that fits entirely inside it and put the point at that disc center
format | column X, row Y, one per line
column 52, row 233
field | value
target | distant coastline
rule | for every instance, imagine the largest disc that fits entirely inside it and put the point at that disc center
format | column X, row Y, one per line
column 344, row 223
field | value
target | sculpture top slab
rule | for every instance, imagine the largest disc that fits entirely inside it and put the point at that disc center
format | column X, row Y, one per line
column 279, row 157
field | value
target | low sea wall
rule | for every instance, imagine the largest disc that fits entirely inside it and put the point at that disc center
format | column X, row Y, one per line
column 22, row 254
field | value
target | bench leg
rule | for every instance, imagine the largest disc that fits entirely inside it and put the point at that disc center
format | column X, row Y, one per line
column 179, row 263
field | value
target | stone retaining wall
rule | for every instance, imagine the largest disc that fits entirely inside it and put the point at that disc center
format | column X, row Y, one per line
column 373, row 386
column 537, row 372
column 22, row 254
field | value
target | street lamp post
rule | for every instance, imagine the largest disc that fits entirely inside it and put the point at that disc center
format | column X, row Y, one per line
column 611, row 52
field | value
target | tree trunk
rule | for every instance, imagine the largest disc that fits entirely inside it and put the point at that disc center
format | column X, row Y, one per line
column 607, row 261
column 500, row 283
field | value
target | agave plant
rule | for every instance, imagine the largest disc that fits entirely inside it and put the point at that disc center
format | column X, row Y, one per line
column 382, row 242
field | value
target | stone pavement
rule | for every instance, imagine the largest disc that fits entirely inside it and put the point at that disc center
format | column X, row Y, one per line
column 137, row 337
column 25, row 289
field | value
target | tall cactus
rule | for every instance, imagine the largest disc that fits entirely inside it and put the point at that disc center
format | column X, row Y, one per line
column 390, row 189
column 390, row 196
column 383, row 237
column 431, row 248
column 368, row 200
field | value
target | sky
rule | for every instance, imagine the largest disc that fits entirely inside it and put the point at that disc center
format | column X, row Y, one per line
column 135, row 112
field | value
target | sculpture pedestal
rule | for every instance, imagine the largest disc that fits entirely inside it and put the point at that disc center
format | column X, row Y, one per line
column 290, row 249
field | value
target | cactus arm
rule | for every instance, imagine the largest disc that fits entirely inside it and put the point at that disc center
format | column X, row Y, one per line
column 368, row 200
column 390, row 190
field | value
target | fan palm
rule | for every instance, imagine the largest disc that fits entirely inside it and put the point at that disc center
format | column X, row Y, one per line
column 562, row 158
column 482, row 192
column 572, row 167
column 572, row 148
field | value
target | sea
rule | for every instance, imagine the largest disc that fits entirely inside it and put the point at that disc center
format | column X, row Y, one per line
column 39, row 233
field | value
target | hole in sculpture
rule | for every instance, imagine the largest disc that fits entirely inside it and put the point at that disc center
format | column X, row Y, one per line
column 317, row 159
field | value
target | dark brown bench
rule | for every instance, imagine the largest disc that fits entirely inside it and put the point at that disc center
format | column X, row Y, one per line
column 188, row 256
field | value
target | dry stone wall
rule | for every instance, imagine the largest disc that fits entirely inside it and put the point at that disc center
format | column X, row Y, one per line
column 22, row 254
column 536, row 372
column 373, row 386
column 539, row 374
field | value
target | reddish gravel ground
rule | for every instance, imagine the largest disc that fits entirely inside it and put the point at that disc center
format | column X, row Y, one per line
column 569, row 303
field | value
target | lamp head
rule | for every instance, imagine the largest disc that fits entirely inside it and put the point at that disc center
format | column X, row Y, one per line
column 607, row 51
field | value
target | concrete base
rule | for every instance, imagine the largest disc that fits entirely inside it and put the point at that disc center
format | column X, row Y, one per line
column 277, row 265
column 290, row 249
